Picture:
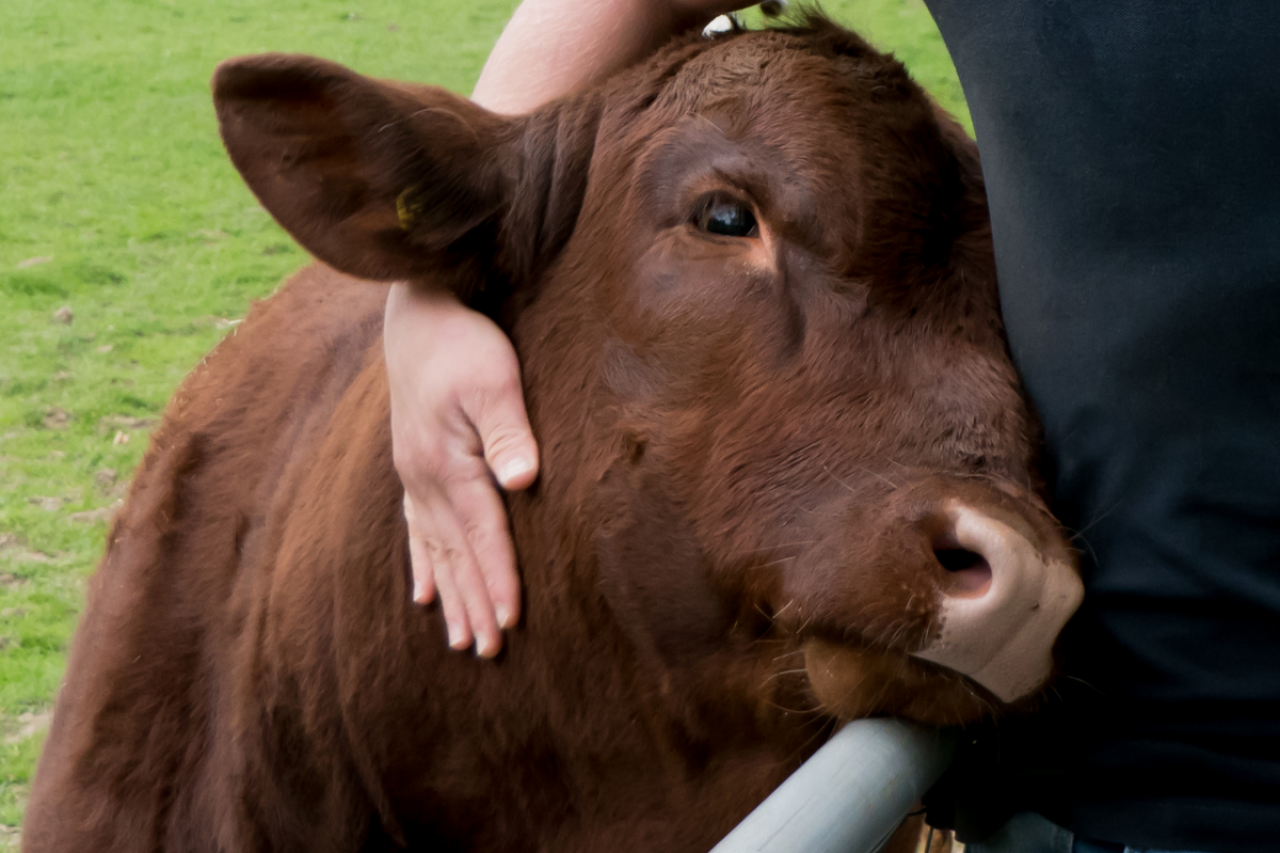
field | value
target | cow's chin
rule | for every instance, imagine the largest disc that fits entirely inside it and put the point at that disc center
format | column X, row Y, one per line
column 852, row 682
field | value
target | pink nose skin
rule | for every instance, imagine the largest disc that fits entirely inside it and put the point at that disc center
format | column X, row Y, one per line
column 999, row 621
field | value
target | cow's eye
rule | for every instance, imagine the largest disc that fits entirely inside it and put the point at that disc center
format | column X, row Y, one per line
column 721, row 214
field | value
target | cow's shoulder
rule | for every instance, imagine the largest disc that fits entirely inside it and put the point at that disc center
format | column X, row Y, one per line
column 171, row 609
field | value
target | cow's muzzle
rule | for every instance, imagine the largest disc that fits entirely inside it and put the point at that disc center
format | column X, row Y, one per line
column 1004, row 604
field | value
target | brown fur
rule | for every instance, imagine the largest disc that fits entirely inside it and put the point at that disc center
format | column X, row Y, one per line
column 743, row 454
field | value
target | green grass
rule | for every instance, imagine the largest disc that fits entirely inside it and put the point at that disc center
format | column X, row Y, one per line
column 119, row 204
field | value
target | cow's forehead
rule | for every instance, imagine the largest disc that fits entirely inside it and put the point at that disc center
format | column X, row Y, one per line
column 767, row 69
column 748, row 62
column 788, row 90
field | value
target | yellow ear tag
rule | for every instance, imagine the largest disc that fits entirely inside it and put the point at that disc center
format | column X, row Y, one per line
column 405, row 211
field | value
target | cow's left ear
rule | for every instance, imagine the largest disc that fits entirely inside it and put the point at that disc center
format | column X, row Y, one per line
column 389, row 181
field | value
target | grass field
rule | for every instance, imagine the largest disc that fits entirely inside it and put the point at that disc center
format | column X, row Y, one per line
column 128, row 246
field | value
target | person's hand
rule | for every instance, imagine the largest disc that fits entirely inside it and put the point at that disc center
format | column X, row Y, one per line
column 458, row 423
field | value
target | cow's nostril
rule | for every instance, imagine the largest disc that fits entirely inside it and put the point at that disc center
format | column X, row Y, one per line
column 968, row 574
column 958, row 559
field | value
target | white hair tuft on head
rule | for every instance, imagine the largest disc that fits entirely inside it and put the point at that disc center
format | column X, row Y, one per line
column 719, row 26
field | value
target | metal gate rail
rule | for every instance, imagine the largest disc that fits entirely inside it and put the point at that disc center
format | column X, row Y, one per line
column 850, row 795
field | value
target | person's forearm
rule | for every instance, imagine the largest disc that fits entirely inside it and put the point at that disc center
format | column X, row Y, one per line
column 552, row 47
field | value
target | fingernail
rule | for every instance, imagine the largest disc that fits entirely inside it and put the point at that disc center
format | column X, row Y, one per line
column 504, row 616
column 417, row 591
column 483, row 646
column 517, row 467
column 455, row 638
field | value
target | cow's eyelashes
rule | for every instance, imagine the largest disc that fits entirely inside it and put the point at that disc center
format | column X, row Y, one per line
column 723, row 214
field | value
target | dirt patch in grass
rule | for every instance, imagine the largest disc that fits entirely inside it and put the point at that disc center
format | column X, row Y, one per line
column 29, row 723
column 96, row 516
column 12, row 550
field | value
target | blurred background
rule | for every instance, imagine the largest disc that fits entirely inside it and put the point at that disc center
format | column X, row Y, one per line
column 129, row 247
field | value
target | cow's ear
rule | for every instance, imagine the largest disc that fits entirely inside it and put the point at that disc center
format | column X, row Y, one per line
column 380, row 180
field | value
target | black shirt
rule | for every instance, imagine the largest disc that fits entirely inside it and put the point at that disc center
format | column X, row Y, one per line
column 1132, row 157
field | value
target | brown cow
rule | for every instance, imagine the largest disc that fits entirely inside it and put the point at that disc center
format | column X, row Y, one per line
column 787, row 471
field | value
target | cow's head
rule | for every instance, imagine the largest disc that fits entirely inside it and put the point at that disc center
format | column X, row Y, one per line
column 752, row 288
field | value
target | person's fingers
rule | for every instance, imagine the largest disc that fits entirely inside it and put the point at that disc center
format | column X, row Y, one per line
column 485, row 526
column 452, row 554
column 502, row 423
column 424, row 586
column 513, row 457
column 451, row 602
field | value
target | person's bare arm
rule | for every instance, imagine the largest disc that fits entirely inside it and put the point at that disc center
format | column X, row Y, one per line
column 458, row 421
column 551, row 47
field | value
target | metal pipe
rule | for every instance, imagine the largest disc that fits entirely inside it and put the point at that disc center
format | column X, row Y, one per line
column 850, row 796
